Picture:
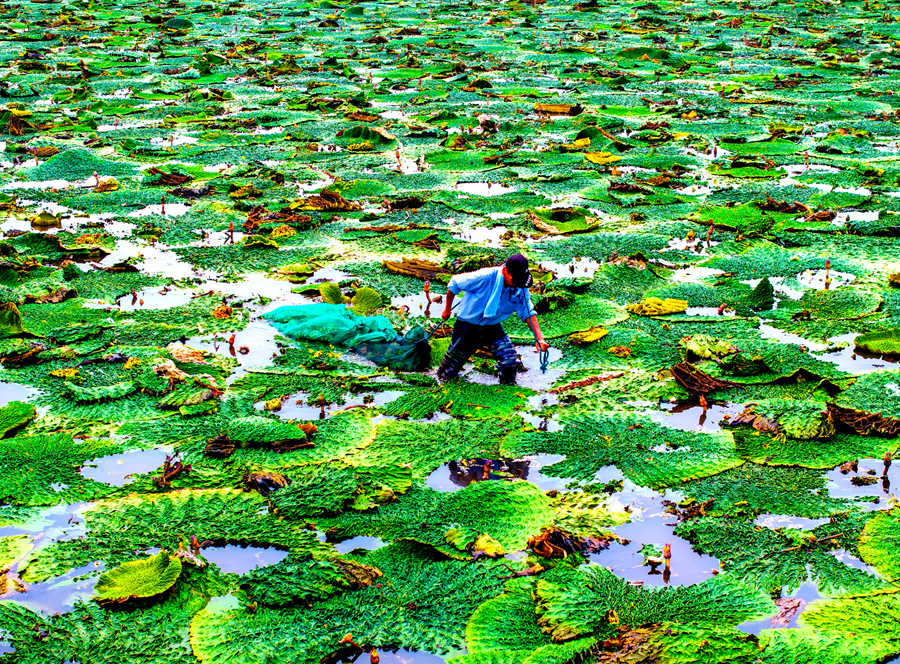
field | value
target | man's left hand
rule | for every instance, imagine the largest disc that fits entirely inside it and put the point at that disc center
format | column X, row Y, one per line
column 542, row 346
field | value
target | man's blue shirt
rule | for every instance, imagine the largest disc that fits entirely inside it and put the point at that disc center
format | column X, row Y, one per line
column 488, row 301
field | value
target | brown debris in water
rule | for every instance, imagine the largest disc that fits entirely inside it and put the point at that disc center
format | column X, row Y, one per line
column 864, row 423
column 695, row 381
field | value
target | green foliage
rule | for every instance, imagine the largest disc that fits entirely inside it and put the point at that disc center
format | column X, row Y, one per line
column 645, row 452
column 423, row 603
column 460, row 399
column 294, row 581
column 260, row 430
column 878, row 544
column 330, row 488
column 798, row 646
column 874, row 392
column 43, row 469
column 582, row 601
column 886, row 342
column 117, row 528
column 425, row 446
column 366, row 301
column 155, row 633
column 78, row 164
column 450, row 522
column 866, row 618
column 754, row 489
column 14, row 416
column 781, row 559
column 145, row 577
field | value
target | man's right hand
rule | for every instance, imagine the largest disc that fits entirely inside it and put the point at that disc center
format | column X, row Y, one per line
column 445, row 314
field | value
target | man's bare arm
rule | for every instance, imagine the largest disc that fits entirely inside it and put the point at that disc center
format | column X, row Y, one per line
column 541, row 345
column 445, row 314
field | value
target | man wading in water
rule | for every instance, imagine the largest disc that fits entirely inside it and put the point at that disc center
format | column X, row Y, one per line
column 492, row 295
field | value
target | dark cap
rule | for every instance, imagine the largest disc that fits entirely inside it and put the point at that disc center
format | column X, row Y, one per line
column 517, row 266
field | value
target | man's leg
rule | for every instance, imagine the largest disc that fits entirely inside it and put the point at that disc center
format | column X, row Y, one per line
column 462, row 344
column 507, row 359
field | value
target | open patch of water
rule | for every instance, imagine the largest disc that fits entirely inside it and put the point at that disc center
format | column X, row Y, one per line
column 363, row 542
column 235, row 559
column 58, row 594
column 119, row 469
column 651, row 525
column 866, row 481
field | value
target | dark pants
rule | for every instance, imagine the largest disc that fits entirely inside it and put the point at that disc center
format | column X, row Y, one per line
column 467, row 338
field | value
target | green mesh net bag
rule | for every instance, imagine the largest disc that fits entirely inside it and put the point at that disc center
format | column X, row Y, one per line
column 411, row 352
column 331, row 324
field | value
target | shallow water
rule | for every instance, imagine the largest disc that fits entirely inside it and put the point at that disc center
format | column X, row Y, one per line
column 59, row 594
column 15, row 392
column 689, row 416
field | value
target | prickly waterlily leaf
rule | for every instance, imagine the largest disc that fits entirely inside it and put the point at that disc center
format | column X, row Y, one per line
column 138, row 579
column 878, row 544
column 508, row 512
column 423, row 603
column 862, row 617
column 591, row 601
column 645, row 452
column 116, row 528
column 295, row 581
column 172, row 176
column 14, row 416
column 784, row 558
column 43, row 469
column 804, row 420
column 882, row 343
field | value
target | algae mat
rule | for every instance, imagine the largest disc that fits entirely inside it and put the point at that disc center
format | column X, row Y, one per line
column 709, row 195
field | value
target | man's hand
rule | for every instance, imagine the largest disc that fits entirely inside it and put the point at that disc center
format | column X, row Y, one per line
column 542, row 346
column 445, row 314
